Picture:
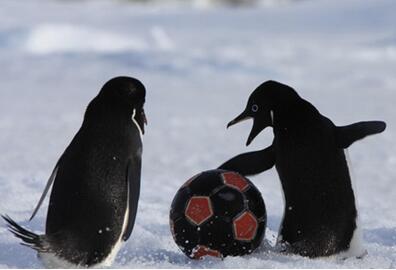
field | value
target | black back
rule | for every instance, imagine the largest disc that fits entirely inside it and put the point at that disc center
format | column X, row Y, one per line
column 89, row 198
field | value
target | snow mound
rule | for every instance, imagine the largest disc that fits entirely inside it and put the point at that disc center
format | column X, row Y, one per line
column 61, row 38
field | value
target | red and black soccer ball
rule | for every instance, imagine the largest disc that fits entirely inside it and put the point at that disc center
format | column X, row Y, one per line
column 218, row 213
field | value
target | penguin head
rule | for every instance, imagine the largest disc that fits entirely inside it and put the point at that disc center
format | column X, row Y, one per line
column 126, row 95
column 263, row 104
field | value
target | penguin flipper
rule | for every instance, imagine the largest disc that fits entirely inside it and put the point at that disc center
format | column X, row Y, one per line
column 133, row 183
column 46, row 189
column 347, row 135
column 251, row 163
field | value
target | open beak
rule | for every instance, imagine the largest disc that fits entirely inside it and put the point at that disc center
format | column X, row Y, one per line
column 240, row 118
column 258, row 126
column 256, row 129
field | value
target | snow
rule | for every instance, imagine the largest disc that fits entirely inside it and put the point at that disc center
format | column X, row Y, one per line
column 199, row 66
column 60, row 38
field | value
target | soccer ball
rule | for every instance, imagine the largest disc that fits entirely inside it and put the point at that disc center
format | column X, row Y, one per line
column 218, row 213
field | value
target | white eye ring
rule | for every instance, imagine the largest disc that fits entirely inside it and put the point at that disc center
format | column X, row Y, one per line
column 255, row 108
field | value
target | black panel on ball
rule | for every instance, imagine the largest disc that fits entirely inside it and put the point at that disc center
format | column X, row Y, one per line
column 227, row 203
column 216, row 234
column 179, row 203
column 205, row 183
column 256, row 202
column 185, row 235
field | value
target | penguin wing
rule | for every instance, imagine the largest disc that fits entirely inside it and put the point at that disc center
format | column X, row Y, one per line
column 133, row 183
column 251, row 163
column 46, row 189
column 347, row 135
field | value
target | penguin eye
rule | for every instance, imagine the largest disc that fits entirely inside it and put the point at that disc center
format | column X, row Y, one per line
column 255, row 108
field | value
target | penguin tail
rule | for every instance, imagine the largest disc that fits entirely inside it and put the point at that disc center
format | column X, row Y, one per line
column 30, row 239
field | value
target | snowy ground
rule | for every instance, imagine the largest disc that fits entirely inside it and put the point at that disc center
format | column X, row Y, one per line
column 199, row 66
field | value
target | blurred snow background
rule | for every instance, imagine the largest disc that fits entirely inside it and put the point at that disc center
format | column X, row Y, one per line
column 199, row 60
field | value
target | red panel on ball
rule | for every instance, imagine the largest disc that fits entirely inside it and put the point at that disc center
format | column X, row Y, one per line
column 199, row 209
column 235, row 180
column 201, row 251
column 245, row 227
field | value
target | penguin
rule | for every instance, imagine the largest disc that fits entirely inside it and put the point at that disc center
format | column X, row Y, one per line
column 96, row 183
column 308, row 151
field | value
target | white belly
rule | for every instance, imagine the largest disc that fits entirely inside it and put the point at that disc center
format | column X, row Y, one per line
column 356, row 248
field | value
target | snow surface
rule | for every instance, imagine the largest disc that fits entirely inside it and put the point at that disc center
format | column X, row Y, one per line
column 199, row 66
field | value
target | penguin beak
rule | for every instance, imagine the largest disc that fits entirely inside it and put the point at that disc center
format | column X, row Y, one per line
column 240, row 118
column 258, row 125
column 256, row 129
column 144, row 118
column 141, row 119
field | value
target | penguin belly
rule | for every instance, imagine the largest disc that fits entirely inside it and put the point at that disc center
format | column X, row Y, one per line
column 356, row 247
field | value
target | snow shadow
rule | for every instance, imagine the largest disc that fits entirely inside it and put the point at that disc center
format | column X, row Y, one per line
column 152, row 255
column 382, row 236
column 18, row 256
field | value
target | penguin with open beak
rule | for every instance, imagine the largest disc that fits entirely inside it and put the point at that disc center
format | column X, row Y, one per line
column 308, row 151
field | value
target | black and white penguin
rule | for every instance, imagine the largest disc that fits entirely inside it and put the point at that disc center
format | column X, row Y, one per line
column 320, row 215
column 96, row 183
